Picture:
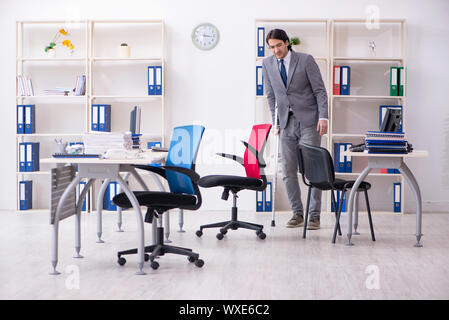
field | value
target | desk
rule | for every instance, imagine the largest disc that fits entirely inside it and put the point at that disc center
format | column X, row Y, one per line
column 394, row 161
column 92, row 169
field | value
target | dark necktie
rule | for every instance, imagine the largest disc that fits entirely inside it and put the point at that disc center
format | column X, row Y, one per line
column 283, row 73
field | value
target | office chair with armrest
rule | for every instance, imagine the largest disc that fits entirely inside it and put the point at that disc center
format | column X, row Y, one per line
column 254, row 180
column 315, row 164
column 182, row 179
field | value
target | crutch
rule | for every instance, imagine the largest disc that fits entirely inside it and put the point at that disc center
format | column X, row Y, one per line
column 276, row 154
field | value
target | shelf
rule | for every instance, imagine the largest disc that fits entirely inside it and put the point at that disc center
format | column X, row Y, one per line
column 366, row 97
column 53, row 97
column 127, row 97
column 316, row 58
column 349, row 135
column 34, row 173
column 53, row 59
column 50, row 135
column 125, row 59
column 374, row 59
column 356, row 174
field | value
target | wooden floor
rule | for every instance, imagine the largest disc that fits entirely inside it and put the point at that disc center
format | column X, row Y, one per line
column 241, row 266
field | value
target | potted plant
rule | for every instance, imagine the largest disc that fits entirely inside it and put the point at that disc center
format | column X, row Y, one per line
column 50, row 50
column 295, row 42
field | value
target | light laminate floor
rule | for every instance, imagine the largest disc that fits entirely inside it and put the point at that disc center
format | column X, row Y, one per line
column 241, row 266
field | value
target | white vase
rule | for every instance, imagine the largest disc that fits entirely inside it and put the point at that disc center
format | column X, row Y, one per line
column 51, row 53
column 124, row 52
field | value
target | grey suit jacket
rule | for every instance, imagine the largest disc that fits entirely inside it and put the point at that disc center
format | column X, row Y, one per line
column 305, row 93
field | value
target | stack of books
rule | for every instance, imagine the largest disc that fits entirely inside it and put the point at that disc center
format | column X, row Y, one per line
column 385, row 142
column 57, row 92
column 80, row 88
column 24, row 85
column 101, row 142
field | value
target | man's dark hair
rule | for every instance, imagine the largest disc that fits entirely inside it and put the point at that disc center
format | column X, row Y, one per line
column 279, row 34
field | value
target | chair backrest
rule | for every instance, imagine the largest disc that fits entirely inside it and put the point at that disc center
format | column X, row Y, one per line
column 184, row 145
column 257, row 141
column 316, row 164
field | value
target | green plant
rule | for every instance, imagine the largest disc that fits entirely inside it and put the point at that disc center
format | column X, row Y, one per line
column 295, row 41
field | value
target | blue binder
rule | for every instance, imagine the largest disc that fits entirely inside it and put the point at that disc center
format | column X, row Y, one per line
column 348, row 160
column 20, row 119
column 259, row 201
column 383, row 112
column 397, row 196
column 30, row 124
column 151, row 81
column 337, row 202
column 26, row 194
column 104, row 118
column 261, row 42
column 94, row 117
column 81, row 186
column 22, row 157
column 111, row 192
column 339, row 158
column 343, row 201
column 345, row 80
column 259, row 81
column 158, row 80
column 32, row 156
column 393, row 171
column 268, row 196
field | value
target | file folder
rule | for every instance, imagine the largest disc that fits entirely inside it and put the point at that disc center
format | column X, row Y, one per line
column 81, row 186
column 336, row 85
column 94, row 117
column 104, row 118
column 259, row 201
column 343, row 201
column 20, row 119
column 30, row 113
column 26, row 194
column 261, row 42
column 32, row 156
column 348, row 160
column 337, row 202
column 397, row 196
column 22, row 157
column 393, row 171
column 401, row 80
column 158, row 78
column 268, row 196
column 151, row 82
column 259, row 81
column 383, row 112
column 345, row 80
column 339, row 158
column 393, row 81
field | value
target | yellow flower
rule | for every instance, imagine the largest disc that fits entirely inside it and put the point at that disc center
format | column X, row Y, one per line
column 66, row 43
column 63, row 32
column 72, row 47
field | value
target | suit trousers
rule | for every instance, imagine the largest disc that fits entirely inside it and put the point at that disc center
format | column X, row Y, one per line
column 290, row 136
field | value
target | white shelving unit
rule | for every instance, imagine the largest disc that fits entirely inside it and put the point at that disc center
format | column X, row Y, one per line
column 345, row 42
column 352, row 115
column 121, row 82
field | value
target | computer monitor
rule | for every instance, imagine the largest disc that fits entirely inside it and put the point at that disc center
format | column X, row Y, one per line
column 392, row 120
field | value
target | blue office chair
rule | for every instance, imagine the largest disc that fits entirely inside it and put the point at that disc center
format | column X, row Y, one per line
column 182, row 179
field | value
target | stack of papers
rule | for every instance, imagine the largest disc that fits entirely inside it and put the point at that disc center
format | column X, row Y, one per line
column 57, row 92
column 101, row 142
column 385, row 142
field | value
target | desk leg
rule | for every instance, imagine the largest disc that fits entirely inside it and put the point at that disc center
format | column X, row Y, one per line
column 350, row 203
column 119, row 210
column 78, row 218
column 408, row 175
column 140, row 227
column 356, row 214
column 100, row 197
column 54, row 251
column 181, row 220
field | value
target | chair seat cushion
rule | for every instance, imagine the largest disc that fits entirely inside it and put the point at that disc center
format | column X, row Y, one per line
column 339, row 184
column 156, row 199
column 229, row 181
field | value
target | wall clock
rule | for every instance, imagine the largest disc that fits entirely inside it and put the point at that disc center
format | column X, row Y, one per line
column 205, row 36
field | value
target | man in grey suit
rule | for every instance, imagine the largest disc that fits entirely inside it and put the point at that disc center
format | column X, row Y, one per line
column 293, row 82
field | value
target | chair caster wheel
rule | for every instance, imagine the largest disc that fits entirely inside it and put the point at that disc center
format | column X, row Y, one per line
column 121, row 261
column 219, row 236
column 146, row 257
column 199, row 263
column 262, row 235
column 191, row 259
column 199, row 233
column 154, row 265
column 223, row 231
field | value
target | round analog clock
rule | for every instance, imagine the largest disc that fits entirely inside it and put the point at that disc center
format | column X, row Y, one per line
column 205, row 36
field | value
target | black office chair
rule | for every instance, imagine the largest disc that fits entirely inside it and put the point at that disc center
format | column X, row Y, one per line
column 184, row 192
column 254, row 180
column 315, row 164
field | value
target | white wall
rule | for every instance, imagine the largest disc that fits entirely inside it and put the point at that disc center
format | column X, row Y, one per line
column 215, row 88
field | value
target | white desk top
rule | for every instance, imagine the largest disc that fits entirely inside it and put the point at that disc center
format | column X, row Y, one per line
column 152, row 157
column 414, row 154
